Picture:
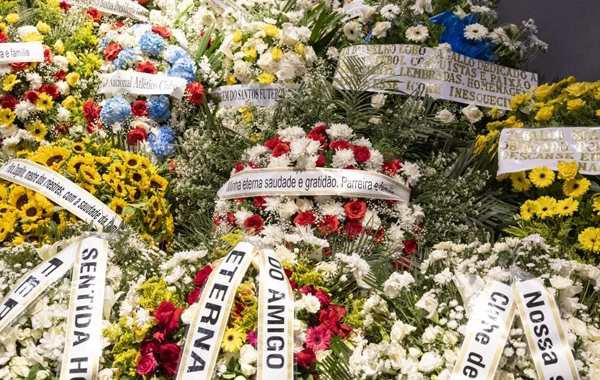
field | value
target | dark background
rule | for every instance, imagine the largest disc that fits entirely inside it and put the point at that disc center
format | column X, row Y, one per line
column 571, row 28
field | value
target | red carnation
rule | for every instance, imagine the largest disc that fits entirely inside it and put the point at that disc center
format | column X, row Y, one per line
column 259, row 202
column 355, row 210
column 305, row 218
column 195, row 93
column 167, row 316
column 137, row 134
column 64, row 6
column 391, row 168
column 410, row 246
column 239, row 167
column 305, row 357
column 9, row 101
column 19, row 66
column 231, row 218
column 147, row 364
column 361, row 153
column 146, row 67
column 271, row 144
column 194, row 296
column 50, row 89
column 91, row 111
column 3, row 38
column 94, row 14
column 112, row 51
column 31, row 96
column 60, row 75
column 161, row 31
column 169, row 355
column 329, row 224
column 320, row 161
column 281, row 149
column 323, row 297
column 48, row 56
column 138, row 108
column 353, row 228
column 202, row 276
column 93, row 127
column 62, row 128
column 255, row 223
column 340, row 145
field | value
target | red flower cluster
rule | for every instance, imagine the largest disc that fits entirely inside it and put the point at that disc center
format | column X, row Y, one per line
column 195, row 93
column 199, row 281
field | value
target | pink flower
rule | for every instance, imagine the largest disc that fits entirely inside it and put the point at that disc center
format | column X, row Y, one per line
column 252, row 338
column 318, row 338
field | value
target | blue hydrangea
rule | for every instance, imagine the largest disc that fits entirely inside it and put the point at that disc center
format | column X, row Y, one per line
column 152, row 43
column 175, row 53
column 158, row 108
column 183, row 68
column 124, row 59
column 162, row 143
column 144, row 27
column 115, row 110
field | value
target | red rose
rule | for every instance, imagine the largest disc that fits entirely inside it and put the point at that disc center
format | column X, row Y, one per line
column 329, row 224
column 194, row 296
column 404, row 263
column 167, row 316
column 60, row 75
column 305, row 218
column 255, row 223
column 138, row 108
column 147, row 364
column 112, row 51
column 355, row 210
column 259, row 202
column 281, row 149
column 320, row 161
column 288, row 274
column 94, row 14
column 361, row 153
column 271, row 144
column 64, row 6
column 305, row 358
column 19, row 66
column 148, row 347
column 50, row 89
column 31, row 96
column 239, row 167
column 253, row 165
column 380, row 235
column 202, row 276
column 117, row 25
column 210, row 41
column 142, row 2
column 308, row 290
column 350, row 167
column 91, row 111
column 162, row 31
column 9, row 101
column 410, row 246
column 137, row 134
column 3, row 38
column 318, row 134
column 169, row 355
column 195, row 93
column 391, row 168
column 146, row 67
column 93, row 127
column 353, row 228
column 340, row 145
column 231, row 219
column 48, row 57
column 323, row 297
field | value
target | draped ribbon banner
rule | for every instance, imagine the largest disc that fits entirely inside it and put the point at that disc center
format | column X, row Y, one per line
column 61, row 191
column 132, row 82
column 263, row 95
column 21, row 52
column 126, row 8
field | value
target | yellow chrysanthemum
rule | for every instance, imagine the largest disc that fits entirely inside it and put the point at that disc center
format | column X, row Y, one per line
column 520, row 181
column 233, row 340
column 544, row 114
column 118, row 205
column 276, row 53
column 9, row 82
column 52, row 156
column 72, row 79
column 576, row 187
column 575, row 104
column 7, row 116
column 44, row 102
column 590, row 239
column 545, row 206
column 271, row 30
column 528, row 209
column 567, row 170
column 76, row 161
column 90, row 175
column 266, row 78
column 566, row 207
column 118, row 170
column 542, row 177
column 38, row 130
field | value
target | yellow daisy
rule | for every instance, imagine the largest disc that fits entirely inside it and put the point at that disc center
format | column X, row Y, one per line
column 528, row 209
column 233, row 340
column 90, row 175
column 576, row 187
column 545, row 206
column 542, row 176
column 44, row 102
column 520, row 181
column 38, row 130
column 590, row 239
column 7, row 116
column 9, row 82
column 566, row 207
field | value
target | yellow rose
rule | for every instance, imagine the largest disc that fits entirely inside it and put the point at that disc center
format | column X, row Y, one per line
column 544, row 114
column 567, row 170
column 237, row 36
column 577, row 90
column 299, row 49
column 72, row 58
column 543, row 91
column 3, row 27
column 59, row 47
column 597, row 96
column 69, row 102
column 575, row 104
column 597, row 112
column 72, row 79
column 276, row 53
column 251, row 53
column 43, row 27
column 266, row 78
column 518, row 100
column 230, row 79
column 12, row 18
column 271, row 30
column 33, row 37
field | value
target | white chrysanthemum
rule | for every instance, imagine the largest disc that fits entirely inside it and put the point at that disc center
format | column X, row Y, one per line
column 280, row 162
column 63, row 87
column 343, row 158
column 287, row 209
column 63, row 115
column 35, row 80
column 356, row 266
column 560, row 283
column 374, row 162
column 61, row 62
column 291, row 133
column 241, row 216
column 333, row 208
column 25, row 30
column 475, row 32
column 411, row 172
column 272, row 234
column 371, row 220
column 24, row 109
column 352, row 31
column 397, row 282
column 390, row 11
column 339, row 132
column 363, row 142
column 443, row 277
column 285, row 255
column 417, row 33
column 333, row 53
column 272, row 204
column 253, row 154
column 304, row 146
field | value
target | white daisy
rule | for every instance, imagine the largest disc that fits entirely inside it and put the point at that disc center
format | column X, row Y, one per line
column 475, row 32
column 390, row 11
column 352, row 31
column 417, row 33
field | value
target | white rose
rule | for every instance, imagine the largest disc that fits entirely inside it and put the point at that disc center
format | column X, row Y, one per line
column 429, row 361
column 450, row 338
column 380, row 29
column 311, row 303
column 429, row 304
column 41, row 375
column 188, row 315
column 286, row 71
column 472, row 113
column 377, row 101
column 467, row 285
column 445, row 116
column 578, row 326
column 450, row 356
column 400, row 331
column 19, row 366
column 289, row 34
column 396, row 354
column 248, row 356
column 430, row 334
column 265, row 62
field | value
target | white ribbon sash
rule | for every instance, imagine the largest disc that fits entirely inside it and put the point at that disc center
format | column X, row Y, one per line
column 275, row 321
column 35, row 283
column 61, row 191
column 540, row 316
column 84, row 323
column 354, row 9
column 439, row 73
column 124, row 8
column 528, row 148
column 133, row 82
column 263, row 95
column 487, row 331
column 206, row 332
column 21, row 52
column 313, row 182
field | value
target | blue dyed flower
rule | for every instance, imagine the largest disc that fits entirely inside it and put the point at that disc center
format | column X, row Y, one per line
column 175, row 53
column 143, row 27
column 124, row 59
column 162, row 143
column 183, row 68
column 115, row 110
column 152, row 43
column 158, row 108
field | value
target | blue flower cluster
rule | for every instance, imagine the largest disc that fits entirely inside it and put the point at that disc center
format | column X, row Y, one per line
column 162, row 143
column 175, row 53
column 183, row 68
column 115, row 110
column 152, row 43
column 125, row 59
column 158, row 108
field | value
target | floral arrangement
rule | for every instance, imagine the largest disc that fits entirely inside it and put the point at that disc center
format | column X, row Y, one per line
column 132, row 187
